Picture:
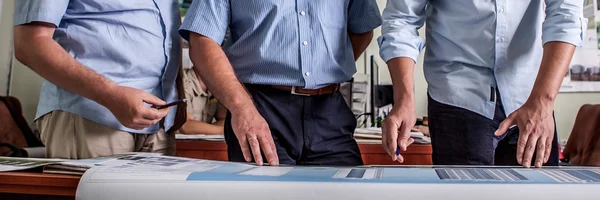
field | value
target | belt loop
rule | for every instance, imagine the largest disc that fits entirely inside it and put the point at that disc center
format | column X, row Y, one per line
column 294, row 92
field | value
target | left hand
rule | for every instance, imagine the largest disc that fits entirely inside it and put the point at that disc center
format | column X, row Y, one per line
column 536, row 131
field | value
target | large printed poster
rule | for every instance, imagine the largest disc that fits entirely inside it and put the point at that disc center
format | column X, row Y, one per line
column 584, row 71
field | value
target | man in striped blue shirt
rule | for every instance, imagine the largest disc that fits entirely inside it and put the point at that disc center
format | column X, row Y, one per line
column 280, row 72
column 490, row 66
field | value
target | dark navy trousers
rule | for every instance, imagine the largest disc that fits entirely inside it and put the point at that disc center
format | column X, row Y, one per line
column 462, row 137
column 307, row 130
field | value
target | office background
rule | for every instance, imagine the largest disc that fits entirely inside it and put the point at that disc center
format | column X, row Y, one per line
column 25, row 84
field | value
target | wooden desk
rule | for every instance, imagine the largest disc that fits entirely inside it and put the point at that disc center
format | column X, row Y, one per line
column 372, row 154
column 35, row 185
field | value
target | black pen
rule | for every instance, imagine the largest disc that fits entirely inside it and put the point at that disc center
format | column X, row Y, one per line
column 180, row 101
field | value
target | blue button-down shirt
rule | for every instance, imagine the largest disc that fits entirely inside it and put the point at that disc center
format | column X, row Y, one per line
column 131, row 42
column 294, row 43
column 475, row 46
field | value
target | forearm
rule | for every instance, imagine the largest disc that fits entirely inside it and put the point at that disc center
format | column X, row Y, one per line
column 402, row 74
column 360, row 42
column 554, row 66
column 197, row 127
column 48, row 59
column 216, row 71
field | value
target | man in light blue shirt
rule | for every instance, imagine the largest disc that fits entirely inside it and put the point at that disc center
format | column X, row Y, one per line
column 484, row 60
column 104, row 62
column 279, row 74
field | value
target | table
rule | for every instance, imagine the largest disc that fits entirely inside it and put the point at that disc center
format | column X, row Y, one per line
column 35, row 185
column 372, row 153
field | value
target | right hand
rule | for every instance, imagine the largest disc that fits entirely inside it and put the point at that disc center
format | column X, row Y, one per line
column 396, row 129
column 253, row 134
column 128, row 106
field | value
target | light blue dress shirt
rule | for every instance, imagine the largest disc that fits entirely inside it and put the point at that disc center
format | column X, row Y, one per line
column 283, row 42
column 131, row 42
column 475, row 46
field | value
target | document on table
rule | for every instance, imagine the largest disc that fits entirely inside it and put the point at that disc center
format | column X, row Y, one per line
column 165, row 177
column 180, row 136
column 16, row 164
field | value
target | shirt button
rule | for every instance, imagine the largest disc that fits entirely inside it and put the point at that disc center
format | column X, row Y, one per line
column 302, row 13
column 305, row 43
column 500, row 40
column 307, row 73
column 501, row 10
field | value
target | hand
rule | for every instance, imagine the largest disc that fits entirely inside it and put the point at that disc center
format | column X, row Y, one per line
column 251, row 128
column 396, row 130
column 127, row 104
column 536, row 131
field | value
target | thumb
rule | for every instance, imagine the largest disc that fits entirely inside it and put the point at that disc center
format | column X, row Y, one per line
column 404, row 137
column 505, row 125
column 151, row 99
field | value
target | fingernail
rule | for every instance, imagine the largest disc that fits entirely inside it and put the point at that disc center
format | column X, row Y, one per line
column 527, row 164
column 538, row 164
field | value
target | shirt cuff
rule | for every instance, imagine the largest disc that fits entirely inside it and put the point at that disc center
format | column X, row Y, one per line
column 390, row 48
column 365, row 24
column 211, row 32
column 565, row 29
column 42, row 16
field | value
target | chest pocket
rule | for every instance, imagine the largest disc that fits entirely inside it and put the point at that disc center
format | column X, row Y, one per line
column 332, row 13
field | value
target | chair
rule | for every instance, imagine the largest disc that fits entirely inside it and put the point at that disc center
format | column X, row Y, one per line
column 583, row 145
column 16, row 137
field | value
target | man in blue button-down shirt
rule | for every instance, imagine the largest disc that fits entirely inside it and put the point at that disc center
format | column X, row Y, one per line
column 280, row 72
column 104, row 61
column 484, row 60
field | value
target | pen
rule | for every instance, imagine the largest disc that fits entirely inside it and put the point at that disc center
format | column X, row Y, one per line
column 180, row 101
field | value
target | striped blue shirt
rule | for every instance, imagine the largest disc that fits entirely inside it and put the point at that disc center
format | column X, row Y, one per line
column 282, row 42
column 475, row 47
column 131, row 42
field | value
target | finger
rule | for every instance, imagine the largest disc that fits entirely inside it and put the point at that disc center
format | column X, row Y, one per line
column 153, row 114
column 505, row 125
column 404, row 136
column 540, row 152
column 243, row 140
column 267, row 147
column 151, row 99
column 390, row 130
column 529, row 150
column 255, row 148
column 140, row 122
column 548, row 149
column 522, row 142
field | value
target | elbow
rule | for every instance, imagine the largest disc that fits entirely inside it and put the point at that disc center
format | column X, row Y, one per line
column 184, row 129
column 20, row 48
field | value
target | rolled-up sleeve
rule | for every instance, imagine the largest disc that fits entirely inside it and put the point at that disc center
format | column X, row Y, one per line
column 564, row 22
column 27, row 11
column 209, row 18
column 363, row 16
column 399, row 33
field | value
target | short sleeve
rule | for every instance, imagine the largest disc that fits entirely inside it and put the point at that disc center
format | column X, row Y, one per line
column 49, row 11
column 209, row 18
column 363, row 16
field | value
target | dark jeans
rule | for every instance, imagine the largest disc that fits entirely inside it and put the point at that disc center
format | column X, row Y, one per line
column 307, row 130
column 462, row 137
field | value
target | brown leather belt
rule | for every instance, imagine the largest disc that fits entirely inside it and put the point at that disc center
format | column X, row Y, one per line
column 329, row 89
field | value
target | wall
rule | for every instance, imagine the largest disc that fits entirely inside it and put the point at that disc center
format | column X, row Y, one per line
column 25, row 83
column 566, row 105
column 5, row 23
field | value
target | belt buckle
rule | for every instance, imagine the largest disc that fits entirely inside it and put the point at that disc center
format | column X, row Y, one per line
column 295, row 93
